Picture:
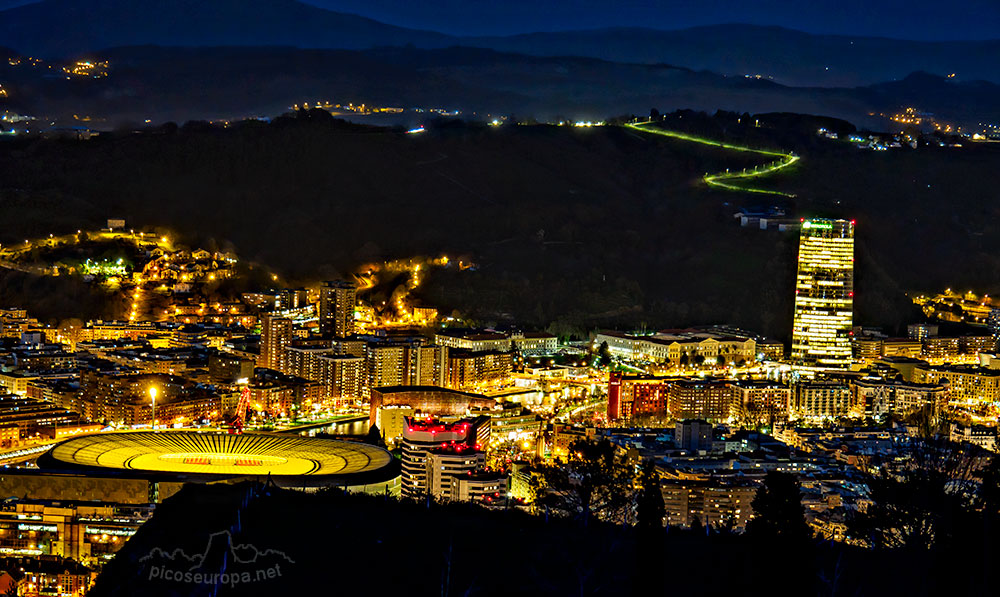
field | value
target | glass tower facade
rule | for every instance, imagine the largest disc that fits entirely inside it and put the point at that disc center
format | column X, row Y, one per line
column 824, row 294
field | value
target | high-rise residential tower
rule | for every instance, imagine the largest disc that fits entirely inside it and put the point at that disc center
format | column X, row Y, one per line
column 275, row 336
column 336, row 308
column 824, row 294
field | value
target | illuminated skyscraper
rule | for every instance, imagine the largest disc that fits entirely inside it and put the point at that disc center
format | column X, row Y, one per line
column 824, row 294
column 336, row 308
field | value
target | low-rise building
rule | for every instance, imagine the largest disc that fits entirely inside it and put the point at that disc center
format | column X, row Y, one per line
column 482, row 487
column 978, row 435
column 977, row 344
column 822, row 399
column 966, row 384
column 710, row 399
column 479, row 371
column 940, row 348
column 680, row 347
column 719, row 504
column 763, row 401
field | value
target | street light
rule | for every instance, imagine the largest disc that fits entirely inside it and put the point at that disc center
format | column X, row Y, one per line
column 152, row 395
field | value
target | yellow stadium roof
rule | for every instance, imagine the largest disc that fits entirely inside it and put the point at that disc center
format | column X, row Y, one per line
column 194, row 453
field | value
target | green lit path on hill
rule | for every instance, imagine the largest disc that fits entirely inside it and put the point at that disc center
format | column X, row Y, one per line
column 730, row 180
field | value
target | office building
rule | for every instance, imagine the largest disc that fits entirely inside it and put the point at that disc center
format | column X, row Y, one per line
column 483, row 487
column 448, row 462
column 422, row 436
column 824, row 294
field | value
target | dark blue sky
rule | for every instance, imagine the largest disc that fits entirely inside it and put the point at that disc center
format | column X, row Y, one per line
column 906, row 19
column 909, row 19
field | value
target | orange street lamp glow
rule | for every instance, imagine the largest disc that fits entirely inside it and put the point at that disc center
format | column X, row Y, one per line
column 152, row 396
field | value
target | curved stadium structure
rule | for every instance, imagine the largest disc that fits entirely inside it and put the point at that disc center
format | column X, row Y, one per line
column 190, row 455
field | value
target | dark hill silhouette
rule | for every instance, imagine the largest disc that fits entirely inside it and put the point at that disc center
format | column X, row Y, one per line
column 937, row 94
column 371, row 532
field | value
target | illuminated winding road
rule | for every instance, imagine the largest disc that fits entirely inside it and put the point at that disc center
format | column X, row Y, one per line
column 727, row 180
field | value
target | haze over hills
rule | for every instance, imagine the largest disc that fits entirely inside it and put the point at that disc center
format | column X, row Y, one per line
column 62, row 28
column 786, row 56
column 179, row 84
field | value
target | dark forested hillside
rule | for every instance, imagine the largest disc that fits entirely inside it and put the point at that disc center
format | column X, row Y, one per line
column 582, row 227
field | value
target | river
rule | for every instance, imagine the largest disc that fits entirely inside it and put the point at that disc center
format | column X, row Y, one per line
column 345, row 428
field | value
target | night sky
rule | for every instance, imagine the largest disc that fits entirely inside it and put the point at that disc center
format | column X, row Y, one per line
column 905, row 19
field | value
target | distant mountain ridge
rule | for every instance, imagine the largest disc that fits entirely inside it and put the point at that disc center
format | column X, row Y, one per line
column 224, row 83
column 63, row 28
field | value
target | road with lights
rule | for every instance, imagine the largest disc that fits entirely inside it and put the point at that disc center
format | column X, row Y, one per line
column 730, row 180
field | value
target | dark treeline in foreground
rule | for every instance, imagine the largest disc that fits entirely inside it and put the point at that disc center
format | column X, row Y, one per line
column 931, row 527
column 578, row 228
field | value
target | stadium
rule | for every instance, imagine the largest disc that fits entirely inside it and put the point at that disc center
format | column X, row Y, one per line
column 193, row 456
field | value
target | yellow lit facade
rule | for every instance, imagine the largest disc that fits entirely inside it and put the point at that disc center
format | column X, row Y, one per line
column 824, row 294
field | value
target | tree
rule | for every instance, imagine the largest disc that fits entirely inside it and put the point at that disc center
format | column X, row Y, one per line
column 778, row 512
column 720, row 361
column 593, row 482
column 989, row 492
column 605, row 353
column 375, row 437
column 924, row 498
column 650, row 509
